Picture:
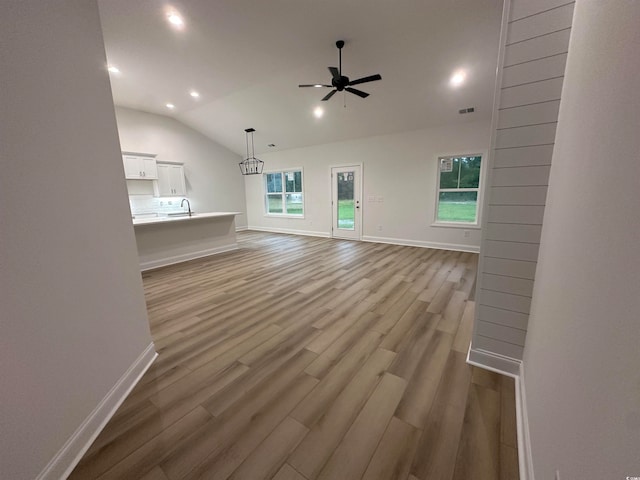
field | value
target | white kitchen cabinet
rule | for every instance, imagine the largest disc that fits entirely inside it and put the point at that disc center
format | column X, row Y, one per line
column 139, row 167
column 171, row 181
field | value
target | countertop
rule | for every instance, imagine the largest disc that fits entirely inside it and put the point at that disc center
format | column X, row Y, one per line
column 185, row 218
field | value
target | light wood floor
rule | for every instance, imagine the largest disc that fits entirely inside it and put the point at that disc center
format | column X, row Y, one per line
column 300, row 358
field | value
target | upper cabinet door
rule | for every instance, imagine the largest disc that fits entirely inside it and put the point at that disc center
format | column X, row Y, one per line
column 140, row 167
column 149, row 168
column 176, row 179
column 163, row 184
column 132, row 166
column 170, row 181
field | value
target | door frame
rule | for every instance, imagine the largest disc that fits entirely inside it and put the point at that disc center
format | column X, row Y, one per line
column 359, row 215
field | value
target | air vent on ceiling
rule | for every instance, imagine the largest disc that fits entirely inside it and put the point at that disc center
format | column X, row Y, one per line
column 467, row 110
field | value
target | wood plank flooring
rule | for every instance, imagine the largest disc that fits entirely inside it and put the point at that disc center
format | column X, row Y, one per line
column 299, row 358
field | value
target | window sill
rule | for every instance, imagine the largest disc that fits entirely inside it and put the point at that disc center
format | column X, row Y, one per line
column 283, row 215
column 467, row 226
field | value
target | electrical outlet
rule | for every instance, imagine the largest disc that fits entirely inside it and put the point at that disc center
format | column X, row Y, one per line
column 467, row 234
column 379, row 228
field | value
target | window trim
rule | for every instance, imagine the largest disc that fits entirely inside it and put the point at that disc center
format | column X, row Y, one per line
column 265, row 193
column 467, row 225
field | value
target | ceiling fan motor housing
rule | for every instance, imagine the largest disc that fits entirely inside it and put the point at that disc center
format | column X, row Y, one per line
column 340, row 83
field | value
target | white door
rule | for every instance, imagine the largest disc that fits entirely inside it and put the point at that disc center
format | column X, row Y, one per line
column 345, row 202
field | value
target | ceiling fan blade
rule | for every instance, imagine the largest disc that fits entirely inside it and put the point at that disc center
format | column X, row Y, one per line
column 329, row 95
column 360, row 93
column 370, row 78
column 335, row 73
column 317, row 85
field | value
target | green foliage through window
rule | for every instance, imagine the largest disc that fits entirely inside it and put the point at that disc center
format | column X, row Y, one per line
column 458, row 189
column 289, row 201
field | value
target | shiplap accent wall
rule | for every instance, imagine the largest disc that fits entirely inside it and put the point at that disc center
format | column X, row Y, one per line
column 533, row 59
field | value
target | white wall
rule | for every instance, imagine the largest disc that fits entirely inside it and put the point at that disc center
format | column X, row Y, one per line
column 581, row 360
column 73, row 315
column 400, row 168
column 214, row 181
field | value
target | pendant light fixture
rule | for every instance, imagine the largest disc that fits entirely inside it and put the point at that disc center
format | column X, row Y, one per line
column 251, row 165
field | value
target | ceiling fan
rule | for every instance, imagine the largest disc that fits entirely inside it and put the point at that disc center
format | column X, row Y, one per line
column 340, row 82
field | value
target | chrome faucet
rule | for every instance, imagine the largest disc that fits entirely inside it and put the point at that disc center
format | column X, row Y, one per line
column 188, row 205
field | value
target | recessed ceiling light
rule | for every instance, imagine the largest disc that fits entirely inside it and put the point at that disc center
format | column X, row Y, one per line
column 113, row 69
column 458, row 78
column 317, row 85
column 175, row 20
column 318, row 112
column 170, row 106
column 194, row 94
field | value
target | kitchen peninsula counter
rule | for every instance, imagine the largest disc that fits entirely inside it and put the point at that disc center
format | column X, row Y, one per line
column 165, row 240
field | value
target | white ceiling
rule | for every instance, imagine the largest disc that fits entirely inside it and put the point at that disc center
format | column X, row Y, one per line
column 247, row 57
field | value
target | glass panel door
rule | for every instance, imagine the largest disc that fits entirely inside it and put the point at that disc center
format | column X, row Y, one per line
column 345, row 205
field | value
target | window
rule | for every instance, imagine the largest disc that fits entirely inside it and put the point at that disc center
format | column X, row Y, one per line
column 458, row 189
column 283, row 192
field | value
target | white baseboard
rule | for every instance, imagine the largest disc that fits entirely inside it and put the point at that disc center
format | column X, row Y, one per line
column 494, row 362
column 511, row 368
column 291, row 231
column 63, row 463
column 525, row 458
column 420, row 243
column 242, row 229
column 163, row 262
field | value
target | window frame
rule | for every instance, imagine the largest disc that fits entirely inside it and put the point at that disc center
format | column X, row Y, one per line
column 480, row 191
column 283, row 193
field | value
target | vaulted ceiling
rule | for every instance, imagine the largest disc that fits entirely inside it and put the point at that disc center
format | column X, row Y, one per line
column 246, row 58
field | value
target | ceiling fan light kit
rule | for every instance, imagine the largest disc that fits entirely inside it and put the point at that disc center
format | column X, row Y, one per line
column 340, row 82
column 251, row 165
